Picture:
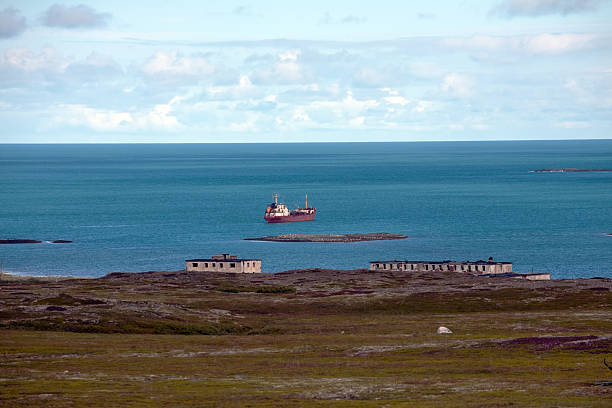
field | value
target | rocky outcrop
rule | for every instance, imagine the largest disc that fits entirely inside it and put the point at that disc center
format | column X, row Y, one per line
column 375, row 236
column 19, row 241
column 567, row 170
column 32, row 241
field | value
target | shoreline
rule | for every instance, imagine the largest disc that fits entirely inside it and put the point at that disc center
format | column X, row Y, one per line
column 17, row 277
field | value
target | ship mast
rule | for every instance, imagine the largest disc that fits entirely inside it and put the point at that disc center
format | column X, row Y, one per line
column 306, row 200
column 276, row 198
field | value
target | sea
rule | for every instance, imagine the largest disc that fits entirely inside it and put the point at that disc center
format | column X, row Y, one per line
column 149, row 207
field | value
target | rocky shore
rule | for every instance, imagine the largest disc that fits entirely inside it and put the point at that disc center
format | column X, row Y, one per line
column 374, row 236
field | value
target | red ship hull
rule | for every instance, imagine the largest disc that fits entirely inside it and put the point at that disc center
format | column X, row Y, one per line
column 290, row 218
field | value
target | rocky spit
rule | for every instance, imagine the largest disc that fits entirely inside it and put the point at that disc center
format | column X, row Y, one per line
column 567, row 170
column 374, row 236
column 32, row 241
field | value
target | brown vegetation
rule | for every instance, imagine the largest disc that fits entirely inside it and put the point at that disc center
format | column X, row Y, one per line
column 304, row 338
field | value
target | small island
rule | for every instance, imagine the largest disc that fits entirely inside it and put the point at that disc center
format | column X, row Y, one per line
column 373, row 236
column 32, row 241
column 19, row 241
column 568, row 170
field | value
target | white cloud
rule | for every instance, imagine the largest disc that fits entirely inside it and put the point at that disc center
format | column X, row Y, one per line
column 348, row 105
column 557, row 43
column 480, row 126
column 425, row 69
column 80, row 16
column 25, row 60
column 248, row 125
column 329, row 113
column 289, row 55
column 534, row 8
column 357, row 122
column 285, row 72
column 573, row 125
column 170, row 66
column 396, row 100
column 19, row 66
column 300, row 115
column 22, row 67
column 289, row 72
column 458, row 85
column 370, row 77
column 423, row 106
column 95, row 67
column 12, row 23
column 97, row 119
column 243, row 89
column 530, row 44
column 480, row 43
column 596, row 92
column 158, row 118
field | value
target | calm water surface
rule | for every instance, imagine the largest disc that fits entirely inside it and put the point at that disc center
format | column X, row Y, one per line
column 150, row 207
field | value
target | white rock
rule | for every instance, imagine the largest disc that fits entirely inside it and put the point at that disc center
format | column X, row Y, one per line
column 444, row 330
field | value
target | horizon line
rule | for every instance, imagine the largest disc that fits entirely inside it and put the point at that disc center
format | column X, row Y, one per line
column 309, row 142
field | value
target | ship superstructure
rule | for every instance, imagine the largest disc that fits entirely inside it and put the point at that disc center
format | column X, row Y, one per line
column 278, row 212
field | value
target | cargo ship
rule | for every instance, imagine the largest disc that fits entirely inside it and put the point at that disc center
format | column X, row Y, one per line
column 276, row 212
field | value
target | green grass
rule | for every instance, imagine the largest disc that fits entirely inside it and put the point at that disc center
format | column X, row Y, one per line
column 410, row 366
column 236, row 343
column 255, row 289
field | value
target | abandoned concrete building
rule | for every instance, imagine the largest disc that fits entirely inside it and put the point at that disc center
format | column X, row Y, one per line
column 480, row 267
column 488, row 268
column 223, row 263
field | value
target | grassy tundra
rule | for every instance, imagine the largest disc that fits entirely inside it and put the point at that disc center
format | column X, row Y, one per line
column 304, row 338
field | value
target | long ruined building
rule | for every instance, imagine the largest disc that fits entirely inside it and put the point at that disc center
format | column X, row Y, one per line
column 480, row 267
column 486, row 268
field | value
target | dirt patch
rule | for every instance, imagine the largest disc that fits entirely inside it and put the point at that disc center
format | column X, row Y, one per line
column 64, row 299
column 566, row 342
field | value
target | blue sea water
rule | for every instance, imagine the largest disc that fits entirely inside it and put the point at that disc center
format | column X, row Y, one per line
column 150, row 207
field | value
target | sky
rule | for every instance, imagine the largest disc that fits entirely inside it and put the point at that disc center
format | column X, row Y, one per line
column 284, row 71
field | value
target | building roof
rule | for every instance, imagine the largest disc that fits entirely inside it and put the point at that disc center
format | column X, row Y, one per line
column 480, row 262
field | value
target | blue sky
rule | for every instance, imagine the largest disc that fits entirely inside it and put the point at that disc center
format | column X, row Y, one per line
column 279, row 71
